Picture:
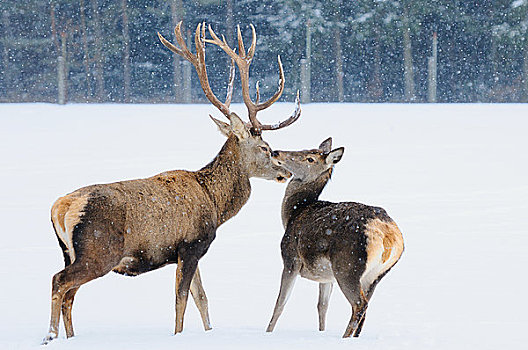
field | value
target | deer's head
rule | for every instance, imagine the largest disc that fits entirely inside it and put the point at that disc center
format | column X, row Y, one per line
column 308, row 165
column 255, row 152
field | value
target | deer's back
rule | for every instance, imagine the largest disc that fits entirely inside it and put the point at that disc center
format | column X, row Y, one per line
column 150, row 216
column 331, row 237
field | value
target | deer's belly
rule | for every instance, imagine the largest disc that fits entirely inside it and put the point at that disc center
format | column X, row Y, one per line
column 136, row 265
column 320, row 270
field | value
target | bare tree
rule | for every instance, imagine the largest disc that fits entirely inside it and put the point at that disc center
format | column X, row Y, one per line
column 407, row 56
column 176, row 17
column 126, row 51
column 6, row 71
column 339, row 54
column 86, row 64
column 524, row 97
column 98, row 54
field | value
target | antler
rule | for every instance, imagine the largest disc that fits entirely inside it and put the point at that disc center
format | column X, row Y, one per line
column 243, row 61
column 198, row 62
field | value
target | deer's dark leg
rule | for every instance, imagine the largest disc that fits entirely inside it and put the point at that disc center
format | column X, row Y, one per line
column 287, row 282
column 351, row 288
column 368, row 297
column 185, row 271
column 96, row 256
column 69, row 279
column 200, row 299
column 67, row 304
column 325, row 290
column 361, row 314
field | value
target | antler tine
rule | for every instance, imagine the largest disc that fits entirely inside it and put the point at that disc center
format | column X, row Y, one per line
column 251, row 51
column 229, row 94
column 277, row 94
column 184, row 51
column 241, row 49
column 295, row 115
column 181, row 41
column 222, row 44
column 198, row 62
column 243, row 62
column 243, row 67
column 257, row 97
column 200, row 47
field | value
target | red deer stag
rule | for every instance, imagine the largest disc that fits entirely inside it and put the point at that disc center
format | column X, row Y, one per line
column 351, row 243
column 131, row 227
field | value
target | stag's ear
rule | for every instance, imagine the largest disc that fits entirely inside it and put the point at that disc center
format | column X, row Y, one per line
column 326, row 145
column 335, row 156
column 223, row 127
column 238, row 127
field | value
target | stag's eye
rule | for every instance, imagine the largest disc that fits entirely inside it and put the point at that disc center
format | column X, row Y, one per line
column 310, row 160
column 264, row 149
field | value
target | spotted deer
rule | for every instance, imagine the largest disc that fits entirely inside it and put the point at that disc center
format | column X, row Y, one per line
column 351, row 243
column 132, row 227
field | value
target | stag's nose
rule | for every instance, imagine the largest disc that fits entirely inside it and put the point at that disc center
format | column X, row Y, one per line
column 274, row 153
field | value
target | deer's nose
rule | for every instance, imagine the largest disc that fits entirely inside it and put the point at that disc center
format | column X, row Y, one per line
column 274, row 153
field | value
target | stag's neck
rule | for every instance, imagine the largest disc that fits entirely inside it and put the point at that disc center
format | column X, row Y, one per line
column 299, row 194
column 226, row 180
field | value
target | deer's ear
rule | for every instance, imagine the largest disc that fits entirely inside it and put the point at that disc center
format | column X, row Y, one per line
column 238, row 127
column 223, row 127
column 326, row 145
column 335, row 156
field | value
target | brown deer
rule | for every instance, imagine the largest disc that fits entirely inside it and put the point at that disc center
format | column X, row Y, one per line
column 351, row 243
column 131, row 227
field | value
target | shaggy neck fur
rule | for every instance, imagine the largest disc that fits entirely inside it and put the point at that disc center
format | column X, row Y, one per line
column 300, row 194
column 226, row 180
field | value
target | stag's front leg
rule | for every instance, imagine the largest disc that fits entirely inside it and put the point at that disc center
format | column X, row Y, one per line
column 184, row 274
column 200, row 299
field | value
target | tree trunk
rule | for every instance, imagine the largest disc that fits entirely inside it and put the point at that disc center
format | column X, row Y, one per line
column 6, row 70
column 432, row 70
column 98, row 55
column 126, row 52
column 63, row 70
column 177, row 16
column 86, row 64
column 339, row 55
column 407, row 57
column 524, row 97
column 375, row 86
column 187, row 71
column 306, row 67
column 230, row 24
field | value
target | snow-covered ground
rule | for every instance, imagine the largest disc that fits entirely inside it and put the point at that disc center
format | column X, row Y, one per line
column 454, row 177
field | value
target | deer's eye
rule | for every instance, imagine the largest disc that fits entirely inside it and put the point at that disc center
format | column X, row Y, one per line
column 310, row 160
column 264, row 149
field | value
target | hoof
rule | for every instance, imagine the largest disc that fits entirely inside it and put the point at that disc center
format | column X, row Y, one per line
column 48, row 338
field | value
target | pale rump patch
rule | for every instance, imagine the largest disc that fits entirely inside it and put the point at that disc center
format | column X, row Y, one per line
column 66, row 212
column 384, row 248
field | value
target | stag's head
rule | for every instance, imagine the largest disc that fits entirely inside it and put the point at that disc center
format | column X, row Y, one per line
column 256, row 153
column 308, row 165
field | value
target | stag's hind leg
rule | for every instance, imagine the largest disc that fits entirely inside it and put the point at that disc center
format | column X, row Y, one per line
column 67, row 304
column 200, row 299
column 65, row 281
